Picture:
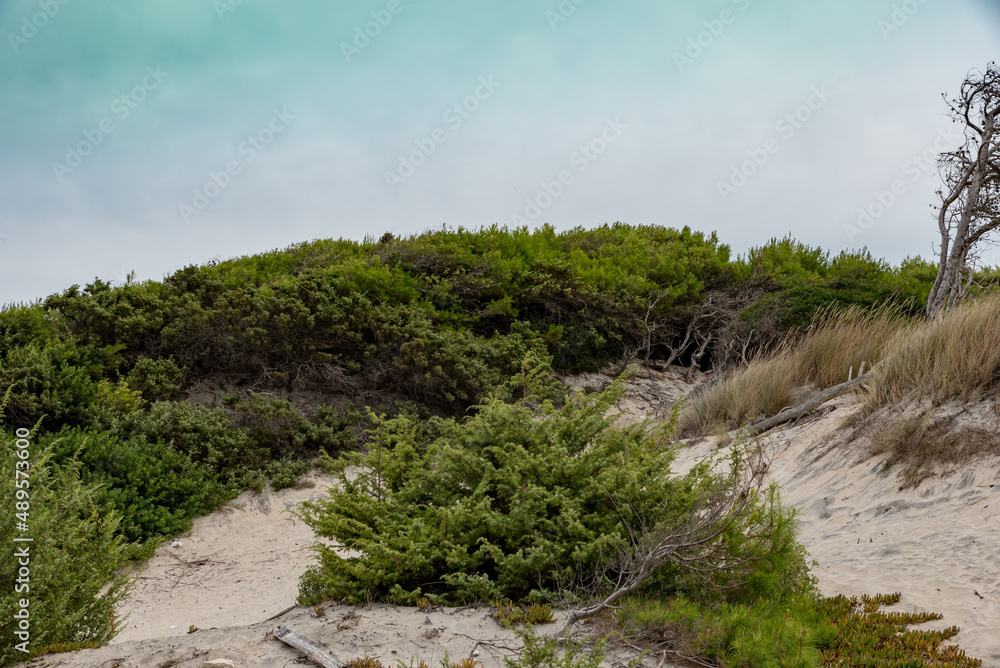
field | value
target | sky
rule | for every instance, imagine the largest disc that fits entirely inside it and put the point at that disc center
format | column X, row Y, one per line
column 149, row 135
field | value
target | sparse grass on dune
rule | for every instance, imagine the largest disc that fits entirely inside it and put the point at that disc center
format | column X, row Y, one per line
column 762, row 387
column 825, row 356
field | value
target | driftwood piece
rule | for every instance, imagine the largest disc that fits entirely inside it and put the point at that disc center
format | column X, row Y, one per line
column 811, row 404
column 282, row 613
column 312, row 649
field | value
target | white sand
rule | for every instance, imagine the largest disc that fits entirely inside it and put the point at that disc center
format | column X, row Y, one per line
column 238, row 565
column 938, row 544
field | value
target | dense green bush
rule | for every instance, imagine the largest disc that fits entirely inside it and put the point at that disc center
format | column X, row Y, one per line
column 153, row 487
column 156, row 378
column 513, row 502
column 53, row 380
column 74, row 560
column 207, row 436
column 280, row 428
column 436, row 317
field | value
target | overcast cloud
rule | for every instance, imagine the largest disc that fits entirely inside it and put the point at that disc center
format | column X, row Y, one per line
column 149, row 135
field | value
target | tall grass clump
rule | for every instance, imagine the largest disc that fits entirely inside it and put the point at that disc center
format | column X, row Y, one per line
column 832, row 348
column 762, row 387
column 956, row 356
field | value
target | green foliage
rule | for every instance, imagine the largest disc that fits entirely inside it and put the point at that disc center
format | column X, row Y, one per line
column 285, row 473
column 784, row 261
column 156, row 379
column 773, row 632
column 867, row 636
column 800, row 283
column 279, row 428
column 152, row 487
column 541, row 652
column 512, row 502
column 797, row 630
column 435, row 317
column 118, row 398
column 204, row 435
column 53, row 379
column 75, row 558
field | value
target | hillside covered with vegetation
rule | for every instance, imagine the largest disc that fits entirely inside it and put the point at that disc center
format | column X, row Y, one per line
column 451, row 338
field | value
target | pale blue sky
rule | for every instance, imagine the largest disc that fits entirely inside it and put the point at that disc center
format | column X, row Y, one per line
column 183, row 89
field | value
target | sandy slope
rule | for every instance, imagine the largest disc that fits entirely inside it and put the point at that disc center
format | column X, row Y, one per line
column 938, row 544
column 384, row 632
column 238, row 565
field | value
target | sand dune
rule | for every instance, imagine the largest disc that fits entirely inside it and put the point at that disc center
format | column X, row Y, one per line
column 937, row 544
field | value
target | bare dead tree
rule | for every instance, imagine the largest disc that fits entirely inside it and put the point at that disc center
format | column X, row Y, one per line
column 704, row 321
column 651, row 324
column 739, row 500
column 970, row 194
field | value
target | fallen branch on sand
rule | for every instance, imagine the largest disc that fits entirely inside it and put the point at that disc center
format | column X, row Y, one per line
column 814, row 402
column 312, row 649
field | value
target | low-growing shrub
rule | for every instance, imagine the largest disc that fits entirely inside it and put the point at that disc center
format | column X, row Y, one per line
column 868, row 636
column 285, row 473
column 157, row 379
column 513, row 503
column 154, row 488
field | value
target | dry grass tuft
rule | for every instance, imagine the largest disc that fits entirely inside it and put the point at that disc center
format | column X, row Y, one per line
column 834, row 347
column 921, row 444
column 954, row 357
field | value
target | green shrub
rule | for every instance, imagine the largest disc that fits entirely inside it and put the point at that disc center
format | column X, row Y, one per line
column 118, row 398
column 782, row 631
column 513, row 502
column 75, row 581
column 156, row 379
column 278, row 427
column 206, row 436
column 53, row 380
column 155, row 489
column 285, row 473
